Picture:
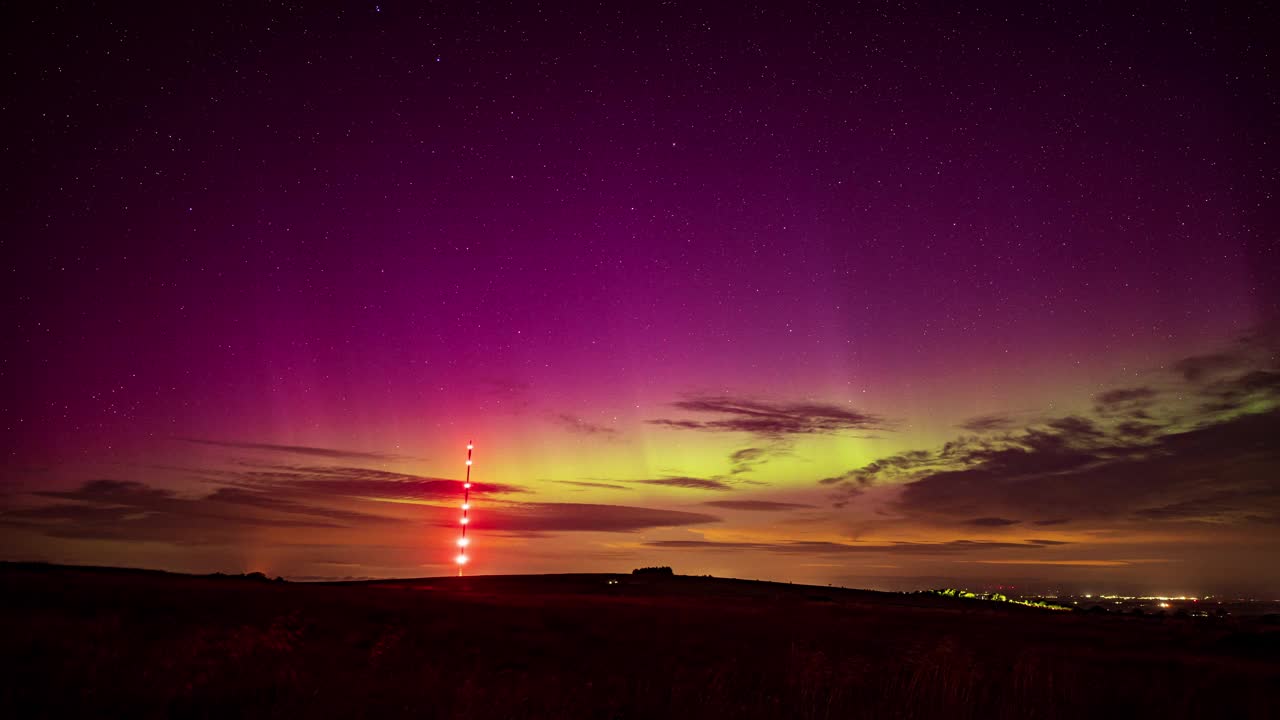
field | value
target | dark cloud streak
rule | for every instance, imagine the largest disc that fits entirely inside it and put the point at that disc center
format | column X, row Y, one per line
column 832, row 548
column 299, row 450
column 574, row 517
column 577, row 425
column 757, row 505
column 690, row 483
column 127, row 510
column 768, row 419
column 988, row 423
column 589, row 484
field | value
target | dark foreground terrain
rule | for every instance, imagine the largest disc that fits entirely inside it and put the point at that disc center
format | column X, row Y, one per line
column 98, row 643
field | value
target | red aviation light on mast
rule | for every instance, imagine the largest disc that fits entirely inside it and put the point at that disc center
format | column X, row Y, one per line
column 464, row 541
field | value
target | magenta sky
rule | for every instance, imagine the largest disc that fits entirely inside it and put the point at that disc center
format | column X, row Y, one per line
column 880, row 299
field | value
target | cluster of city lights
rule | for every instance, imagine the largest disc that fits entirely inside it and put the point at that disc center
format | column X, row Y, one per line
column 463, row 541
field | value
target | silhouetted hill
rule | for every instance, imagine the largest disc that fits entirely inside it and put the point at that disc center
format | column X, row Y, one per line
column 99, row 642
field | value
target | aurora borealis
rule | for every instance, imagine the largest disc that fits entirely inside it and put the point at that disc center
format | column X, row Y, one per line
column 830, row 295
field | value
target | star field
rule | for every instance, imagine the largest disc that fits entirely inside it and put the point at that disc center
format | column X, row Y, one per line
column 703, row 284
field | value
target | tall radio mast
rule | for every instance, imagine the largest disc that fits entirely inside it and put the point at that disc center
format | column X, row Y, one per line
column 463, row 541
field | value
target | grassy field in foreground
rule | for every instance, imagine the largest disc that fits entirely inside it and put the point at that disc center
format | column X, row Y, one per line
column 83, row 643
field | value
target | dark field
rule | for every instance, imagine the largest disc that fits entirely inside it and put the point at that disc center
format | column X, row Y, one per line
column 130, row 644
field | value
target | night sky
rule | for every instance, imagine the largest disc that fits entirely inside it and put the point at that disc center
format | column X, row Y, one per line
column 885, row 298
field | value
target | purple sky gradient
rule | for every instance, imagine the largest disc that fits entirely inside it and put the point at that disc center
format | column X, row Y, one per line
column 384, row 230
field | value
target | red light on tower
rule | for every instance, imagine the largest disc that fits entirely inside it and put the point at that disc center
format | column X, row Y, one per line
column 464, row 541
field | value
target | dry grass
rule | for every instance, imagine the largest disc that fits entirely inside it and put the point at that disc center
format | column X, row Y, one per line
column 127, row 645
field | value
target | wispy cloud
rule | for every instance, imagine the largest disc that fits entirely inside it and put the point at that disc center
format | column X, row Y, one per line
column 340, row 480
column 127, row 510
column 1201, row 367
column 575, row 424
column 246, row 494
column 757, row 505
column 1122, row 396
column 989, row 423
column 746, row 460
column 886, row 468
column 510, row 396
column 991, row 522
column 575, row 517
column 592, row 484
column 770, row 419
column 299, row 450
column 1209, row 458
column 1126, row 402
column 691, row 483
column 1068, row 563
column 1217, row 472
column 834, row 548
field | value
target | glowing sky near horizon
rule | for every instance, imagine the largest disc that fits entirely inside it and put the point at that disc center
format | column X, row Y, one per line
column 824, row 295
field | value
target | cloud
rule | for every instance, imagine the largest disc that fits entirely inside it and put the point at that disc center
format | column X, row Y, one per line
column 679, row 424
column 746, row 460
column 756, row 505
column 299, row 450
column 1206, row 455
column 575, row 517
column 846, row 495
column 1073, row 429
column 691, row 483
column 1069, row 563
column 1216, row 471
column 887, row 468
column 507, row 396
column 832, row 548
column 127, row 510
column 768, row 419
column 266, row 501
column 1126, row 395
column 247, row 495
column 579, row 426
column 1129, row 402
column 504, row 386
column 848, row 486
column 991, row 522
column 1223, row 505
column 1137, row 430
column 1199, row 367
column 988, row 423
column 1241, row 391
column 587, row 484
column 331, row 480
column 109, row 509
